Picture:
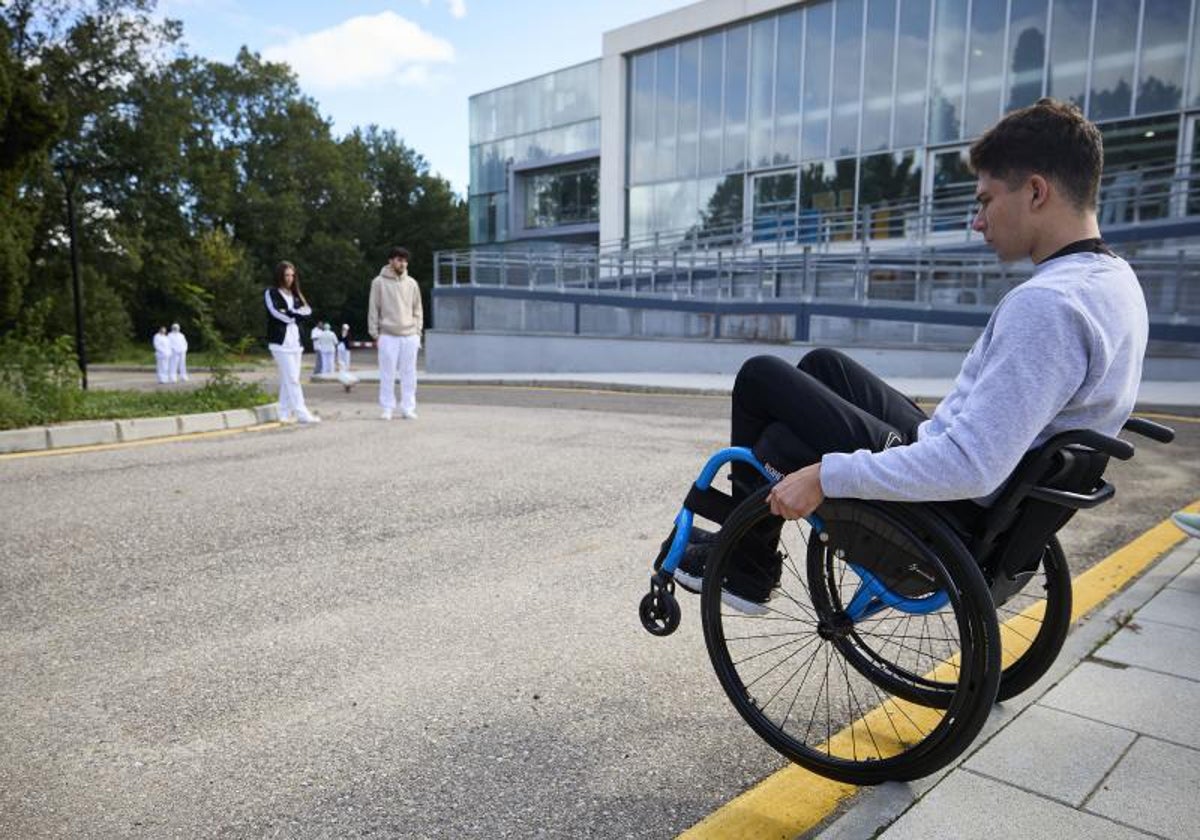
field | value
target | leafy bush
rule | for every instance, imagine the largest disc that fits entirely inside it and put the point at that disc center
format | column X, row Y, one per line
column 40, row 380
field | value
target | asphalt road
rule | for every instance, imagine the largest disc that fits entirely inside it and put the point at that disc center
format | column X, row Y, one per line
column 405, row 629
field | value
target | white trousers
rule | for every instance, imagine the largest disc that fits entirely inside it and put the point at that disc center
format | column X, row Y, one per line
column 178, row 366
column 398, row 357
column 291, row 395
column 162, row 367
column 326, row 361
column 343, row 357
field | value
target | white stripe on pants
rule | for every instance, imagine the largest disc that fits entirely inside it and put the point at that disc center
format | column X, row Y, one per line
column 398, row 357
column 291, row 396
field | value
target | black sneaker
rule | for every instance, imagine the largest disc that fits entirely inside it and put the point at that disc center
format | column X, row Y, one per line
column 748, row 586
column 690, row 572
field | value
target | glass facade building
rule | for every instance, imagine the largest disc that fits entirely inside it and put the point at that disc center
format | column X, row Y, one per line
column 535, row 158
column 836, row 120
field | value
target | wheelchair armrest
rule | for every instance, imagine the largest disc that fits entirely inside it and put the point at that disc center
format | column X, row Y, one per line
column 1150, row 429
column 1090, row 438
column 1076, row 501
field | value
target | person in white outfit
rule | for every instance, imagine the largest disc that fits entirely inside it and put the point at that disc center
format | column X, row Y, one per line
column 326, row 346
column 162, row 356
column 179, row 348
column 343, row 349
column 314, row 337
column 395, row 320
column 286, row 307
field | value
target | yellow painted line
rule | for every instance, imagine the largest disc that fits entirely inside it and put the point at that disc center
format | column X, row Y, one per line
column 1178, row 418
column 794, row 800
column 102, row 447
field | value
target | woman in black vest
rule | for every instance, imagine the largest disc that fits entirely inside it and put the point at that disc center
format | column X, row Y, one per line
column 286, row 307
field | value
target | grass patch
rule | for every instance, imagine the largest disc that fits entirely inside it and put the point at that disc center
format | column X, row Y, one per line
column 123, row 405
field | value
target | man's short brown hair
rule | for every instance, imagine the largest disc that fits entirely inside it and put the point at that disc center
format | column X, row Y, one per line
column 1049, row 138
column 398, row 252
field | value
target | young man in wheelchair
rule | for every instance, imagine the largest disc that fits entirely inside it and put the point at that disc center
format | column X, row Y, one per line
column 1061, row 351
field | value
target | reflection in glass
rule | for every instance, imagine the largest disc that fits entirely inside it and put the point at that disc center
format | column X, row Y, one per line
column 1112, row 66
column 689, row 109
column 985, row 67
column 847, row 74
column 1069, row 37
column 641, row 111
column 789, row 44
column 953, row 198
column 1139, row 164
column 737, row 56
column 774, row 207
column 818, row 34
column 640, row 206
column 711, row 58
column 1164, row 56
column 826, row 201
column 565, row 195
column 1027, row 52
column 762, row 90
column 720, row 202
column 946, row 94
column 877, row 86
column 912, row 73
column 664, row 103
column 674, row 209
column 1194, row 84
column 889, row 192
column 1193, row 182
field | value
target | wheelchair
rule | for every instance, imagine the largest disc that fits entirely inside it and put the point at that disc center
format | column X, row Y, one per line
column 893, row 627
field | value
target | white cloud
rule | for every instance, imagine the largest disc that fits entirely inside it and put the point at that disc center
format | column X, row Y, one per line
column 363, row 50
column 458, row 8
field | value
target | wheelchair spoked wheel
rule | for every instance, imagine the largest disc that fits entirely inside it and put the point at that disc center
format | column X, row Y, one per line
column 1034, row 623
column 861, row 696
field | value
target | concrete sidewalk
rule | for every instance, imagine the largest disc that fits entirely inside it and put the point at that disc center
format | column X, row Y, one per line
column 1106, row 745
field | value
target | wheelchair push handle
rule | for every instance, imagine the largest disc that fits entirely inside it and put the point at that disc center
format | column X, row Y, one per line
column 1150, row 429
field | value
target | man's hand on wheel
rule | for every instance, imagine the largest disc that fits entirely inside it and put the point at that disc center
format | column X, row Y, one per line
column 797, row 494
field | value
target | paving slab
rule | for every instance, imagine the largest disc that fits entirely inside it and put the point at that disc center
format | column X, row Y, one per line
column 24, row 440
column 1076, row 754
column 1189, row 581
column 1154, row 788
column 1174, row 606
column 213, row 421
column 1158, row 647
column 1144, row 701
column 970, row 807
column 140, row 428
column 239, row 418
column 82, row 434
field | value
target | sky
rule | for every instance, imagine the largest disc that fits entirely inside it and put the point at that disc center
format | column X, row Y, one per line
column 408, row 65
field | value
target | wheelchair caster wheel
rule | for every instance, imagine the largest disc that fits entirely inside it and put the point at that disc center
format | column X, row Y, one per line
column 659, row 611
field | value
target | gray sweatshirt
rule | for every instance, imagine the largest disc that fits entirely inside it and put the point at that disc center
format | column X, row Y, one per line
column 1061, row 351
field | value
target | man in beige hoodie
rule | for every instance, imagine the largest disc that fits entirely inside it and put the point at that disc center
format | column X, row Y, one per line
column 395, row 320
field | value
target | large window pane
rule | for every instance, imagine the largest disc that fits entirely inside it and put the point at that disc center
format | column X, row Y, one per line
column 641, row 109
column 789, row 44
column 889, row 192
column 949, row 45
column 912, row 73
column 953, row 198
column 1139, row 162
column 564, row 195
column 664, row 104
column 1164, row 56
column 818, row 34
column 1112, row 59
column 826, row 201
column 847, row 75
column 762, row 90
column 877, row 86
column 689, row 109
column 674, row 209
column 1027, row 52
column 1070, row 31
column 774, row 207
column 641, row 203
column 1194, row 84
column 720, row 202
column 737, row 57
column 985, row 67
column 711, row 61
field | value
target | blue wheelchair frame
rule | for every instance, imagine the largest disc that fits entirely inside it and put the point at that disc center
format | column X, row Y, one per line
column 660, row 611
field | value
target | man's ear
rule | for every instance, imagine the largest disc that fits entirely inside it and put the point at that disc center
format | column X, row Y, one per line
column 1040, row 189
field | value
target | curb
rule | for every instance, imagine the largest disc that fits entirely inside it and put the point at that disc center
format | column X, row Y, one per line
column 100, row 432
